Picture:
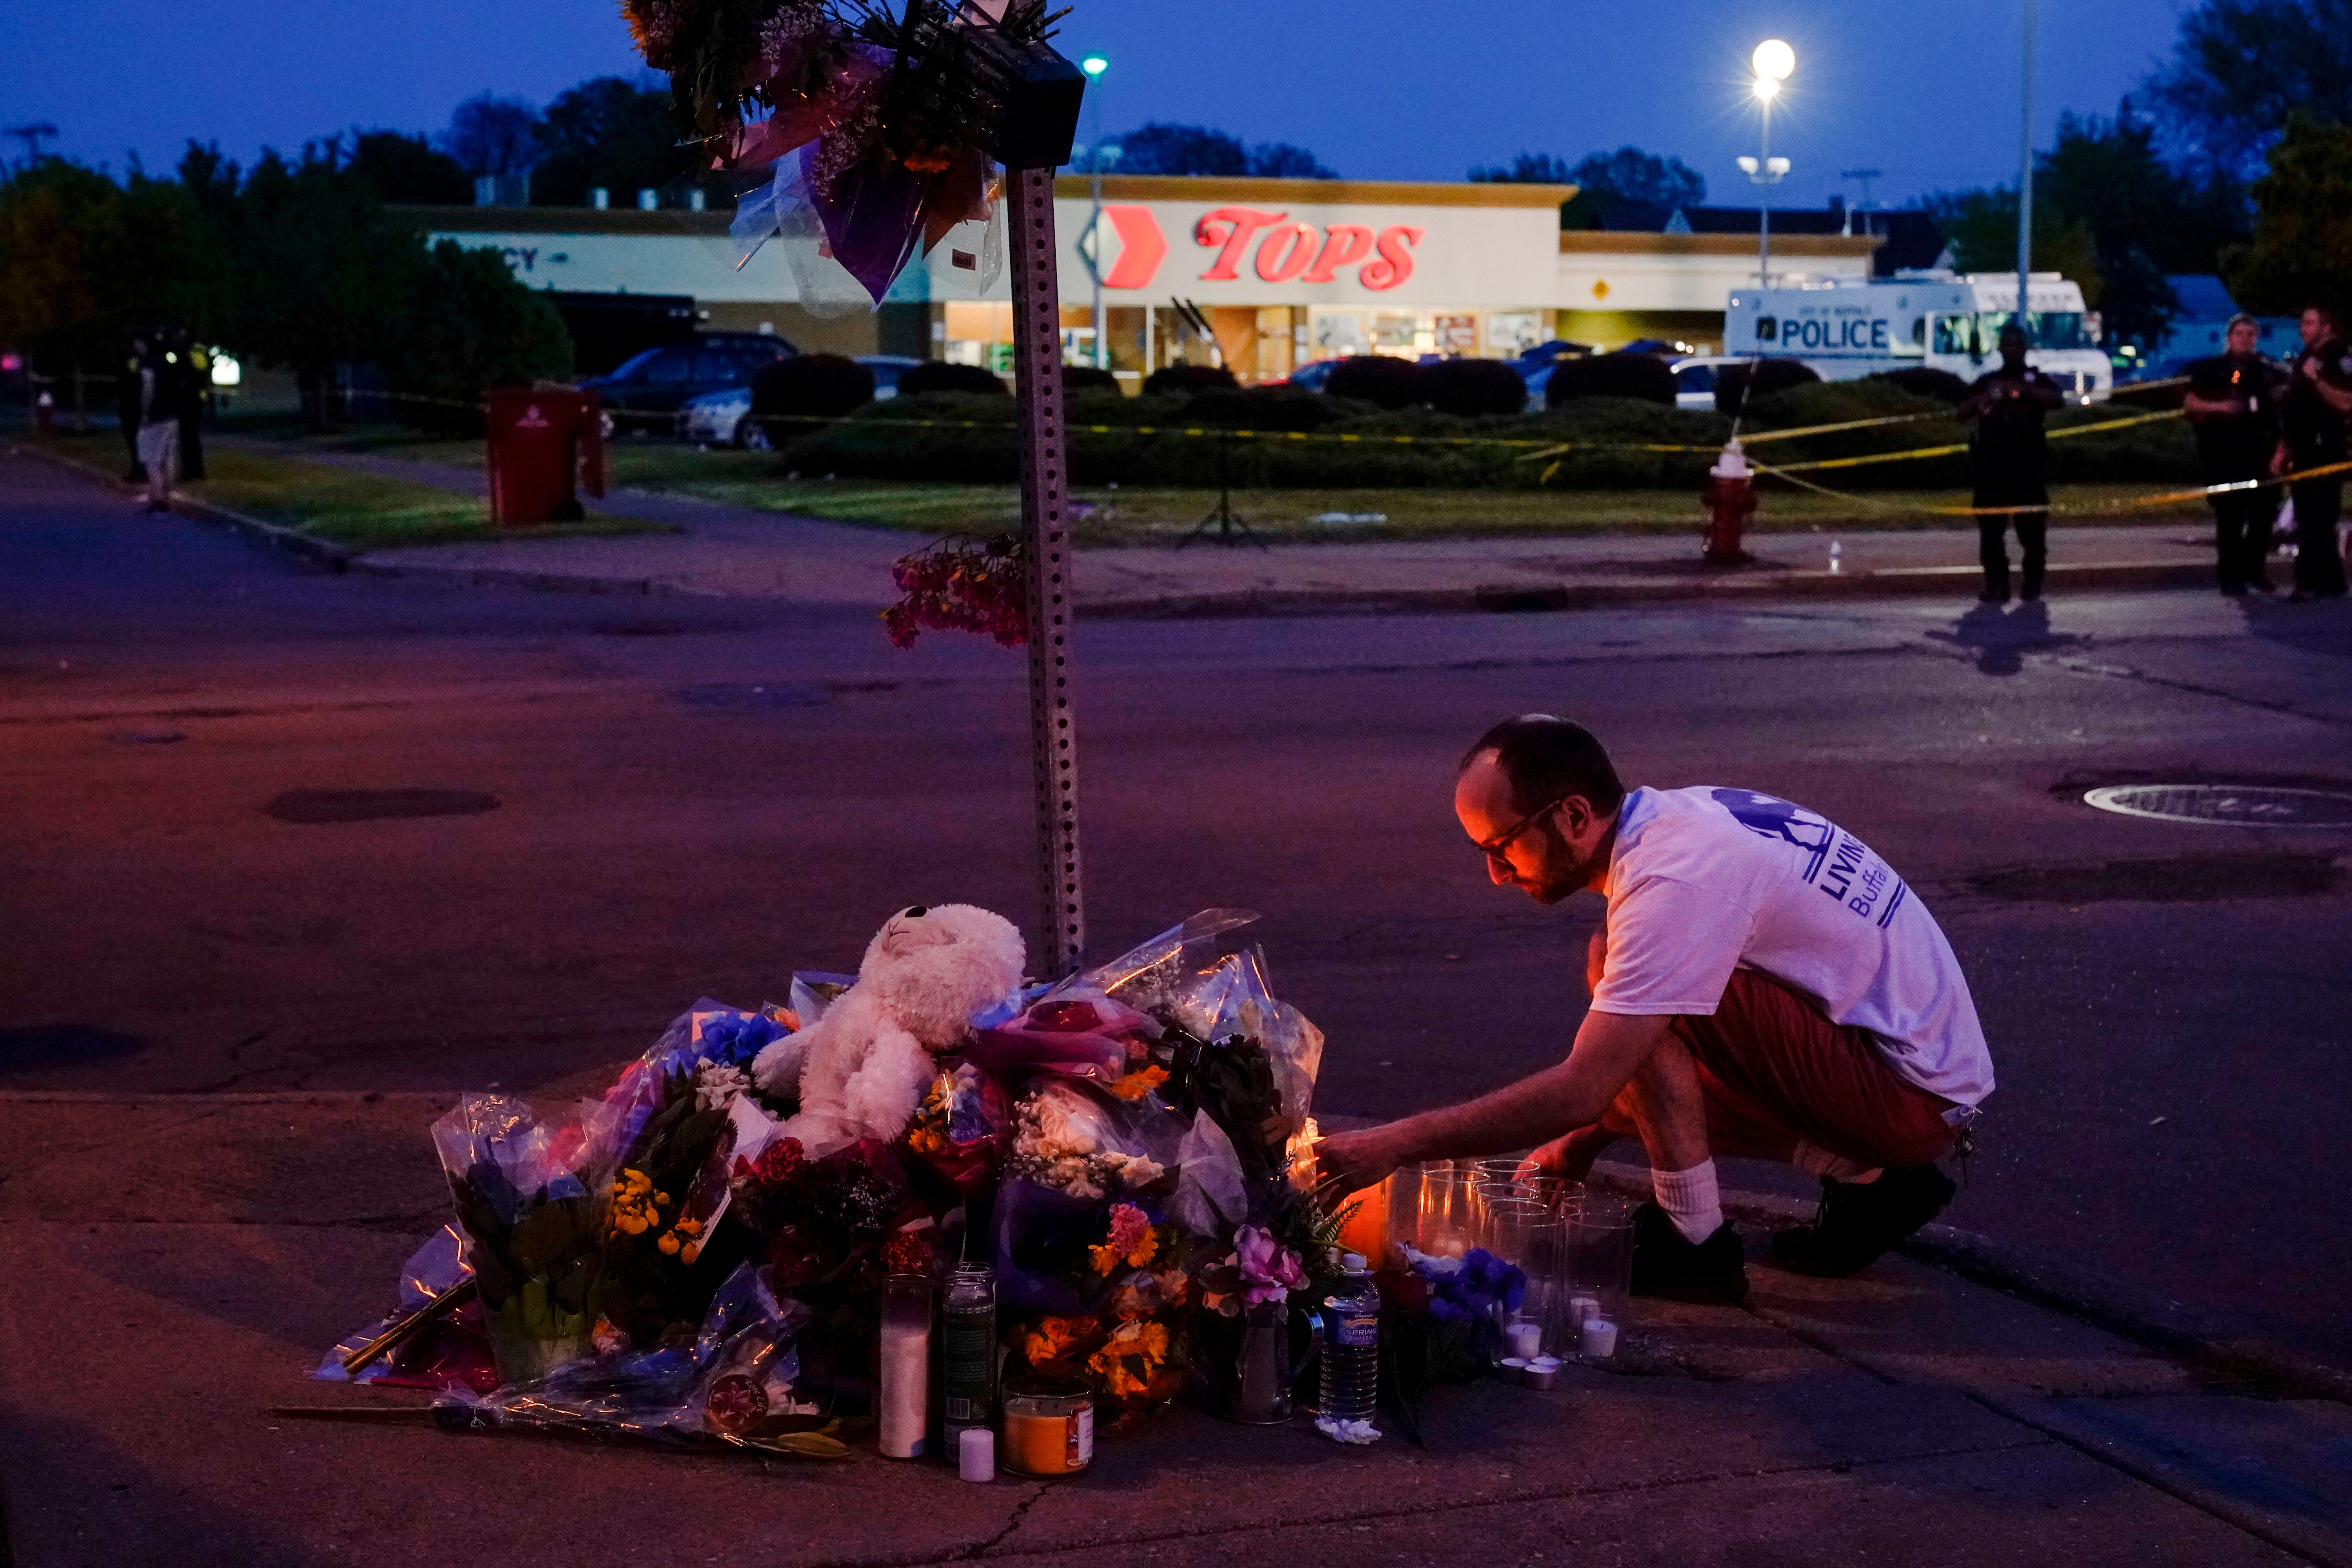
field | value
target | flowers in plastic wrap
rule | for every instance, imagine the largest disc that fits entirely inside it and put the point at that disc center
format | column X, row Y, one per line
column 956, row 1130
column 667, row 1196
column 1125, row 1292
column 735, row 1382
column 1259, row 1271
column 1063, row 1138
column 532, row 1206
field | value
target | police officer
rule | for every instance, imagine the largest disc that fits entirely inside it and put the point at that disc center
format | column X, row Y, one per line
column 2319, row 395
column 2233, row 401
column 2010, row 463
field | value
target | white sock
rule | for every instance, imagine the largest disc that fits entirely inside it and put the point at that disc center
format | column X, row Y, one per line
column 1690, row 1200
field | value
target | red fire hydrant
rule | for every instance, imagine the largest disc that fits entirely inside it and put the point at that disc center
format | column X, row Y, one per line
column 1730, row 502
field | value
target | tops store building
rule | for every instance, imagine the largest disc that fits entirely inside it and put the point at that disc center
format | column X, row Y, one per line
column 1282, row 272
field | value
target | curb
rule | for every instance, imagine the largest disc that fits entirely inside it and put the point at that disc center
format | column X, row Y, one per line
column 1535, row 597
column 293, row 542
column 501, row 577
column 2132, row 1311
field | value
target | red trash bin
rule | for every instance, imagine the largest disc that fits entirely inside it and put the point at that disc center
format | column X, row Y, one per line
column 546, row 444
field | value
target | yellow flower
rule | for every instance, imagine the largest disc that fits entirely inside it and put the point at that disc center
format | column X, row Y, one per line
column 689, row 1252
column 669, row 1243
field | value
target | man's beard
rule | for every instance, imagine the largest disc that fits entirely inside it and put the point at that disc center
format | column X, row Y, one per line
column 1562, row 872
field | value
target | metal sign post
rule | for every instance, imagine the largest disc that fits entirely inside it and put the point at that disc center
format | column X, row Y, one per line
column 1046, row 525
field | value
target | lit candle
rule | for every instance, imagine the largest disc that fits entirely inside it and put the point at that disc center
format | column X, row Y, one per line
column 1582, row 1307
column 1599, row 1338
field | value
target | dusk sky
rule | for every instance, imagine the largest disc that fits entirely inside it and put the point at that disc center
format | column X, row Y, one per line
column 1926, row 92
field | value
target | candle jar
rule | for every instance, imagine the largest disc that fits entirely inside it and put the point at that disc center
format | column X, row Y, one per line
column 1599, row 1277
column 904, row 1398
column 1047, row 1434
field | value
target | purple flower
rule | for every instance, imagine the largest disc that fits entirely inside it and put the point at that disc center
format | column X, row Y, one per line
column 1270, row 1270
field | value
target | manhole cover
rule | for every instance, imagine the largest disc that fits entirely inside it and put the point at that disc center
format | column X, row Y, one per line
column 2228, row 805
column 377, row 805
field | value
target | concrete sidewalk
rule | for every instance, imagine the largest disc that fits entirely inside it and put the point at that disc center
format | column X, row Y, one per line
column 178, row 1263
column 742, row 552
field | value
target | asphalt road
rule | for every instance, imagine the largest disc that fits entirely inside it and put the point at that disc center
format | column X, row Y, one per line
column 697, row 797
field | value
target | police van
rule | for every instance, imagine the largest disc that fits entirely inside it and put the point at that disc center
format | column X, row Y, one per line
column 1845, row 328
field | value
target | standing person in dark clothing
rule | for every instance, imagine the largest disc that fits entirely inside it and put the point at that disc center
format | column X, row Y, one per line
column 2233, row 401
column 2319, row 395
column 2010, row 463
column 127, row 393
column 193, row 381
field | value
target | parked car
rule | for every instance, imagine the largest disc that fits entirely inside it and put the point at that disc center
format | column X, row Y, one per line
column 1695, row 379
column 1312, row 377
column 647, row 390
column 715, row 418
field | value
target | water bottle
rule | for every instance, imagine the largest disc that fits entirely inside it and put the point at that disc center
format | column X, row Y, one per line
column 1837, row 557
column 1352, row 1345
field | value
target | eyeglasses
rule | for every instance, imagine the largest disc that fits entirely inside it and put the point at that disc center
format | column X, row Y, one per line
column 1495, row 848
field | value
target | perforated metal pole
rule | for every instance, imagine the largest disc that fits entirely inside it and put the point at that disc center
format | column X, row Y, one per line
column 1045, row 522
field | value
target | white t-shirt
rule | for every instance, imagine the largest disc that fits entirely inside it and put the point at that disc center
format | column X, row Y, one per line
column 1705, row 880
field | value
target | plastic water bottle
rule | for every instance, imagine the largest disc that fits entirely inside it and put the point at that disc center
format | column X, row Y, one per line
column 1352, row 1345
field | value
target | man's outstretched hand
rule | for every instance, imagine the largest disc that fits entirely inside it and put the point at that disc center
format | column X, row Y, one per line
column 1357, row 1159
column 1568, row 1158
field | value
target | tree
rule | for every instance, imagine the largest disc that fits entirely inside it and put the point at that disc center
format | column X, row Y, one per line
column 1528, row 169
column 321, row 268
column 606, row 131
column 1631, row 175
column 2241, row 67
column 492, row 135
column 1981, row 226
column 1160, row 148
column 467, row 324
column 83, row 259
column 402, row 168
column 2301, row 253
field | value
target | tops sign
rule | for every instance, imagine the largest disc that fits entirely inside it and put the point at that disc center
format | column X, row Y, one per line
column 1273, row 246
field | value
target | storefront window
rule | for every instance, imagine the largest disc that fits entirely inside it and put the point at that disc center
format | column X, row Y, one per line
column 1456, row 334
column 1512, row 332
column 1393, row 331
column 1336, row 335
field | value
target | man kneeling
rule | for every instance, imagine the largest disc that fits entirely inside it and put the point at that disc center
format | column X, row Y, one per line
column 1763, row 985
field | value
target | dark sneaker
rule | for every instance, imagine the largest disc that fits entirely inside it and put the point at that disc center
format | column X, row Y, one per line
column 1665, row 1265
column 1857, row 1223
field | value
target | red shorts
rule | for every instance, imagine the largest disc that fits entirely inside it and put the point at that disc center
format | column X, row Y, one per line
column 1776, row 1072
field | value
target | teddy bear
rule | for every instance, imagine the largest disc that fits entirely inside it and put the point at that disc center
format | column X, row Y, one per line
column 861, row 1070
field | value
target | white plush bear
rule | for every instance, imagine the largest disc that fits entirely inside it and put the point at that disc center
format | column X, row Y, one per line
column 862, row 1068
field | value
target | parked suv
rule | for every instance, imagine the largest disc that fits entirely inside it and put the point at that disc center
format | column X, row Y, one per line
column 648, row 389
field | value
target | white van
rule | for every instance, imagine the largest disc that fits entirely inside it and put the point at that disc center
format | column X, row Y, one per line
column 1846, row 328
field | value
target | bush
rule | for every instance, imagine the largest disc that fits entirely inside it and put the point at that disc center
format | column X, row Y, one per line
column 1643, row 377
column 938, row 375
column 1088, row 378
column 819, row 386
column 1926, row 422
column 1182, row 377
column 1925, row 381
column 467, row 326
column 1473, row 387
column 1280, row 407
column 1380, row 380
column 1739, row 387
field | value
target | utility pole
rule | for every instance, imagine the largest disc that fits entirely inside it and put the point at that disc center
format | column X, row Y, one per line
column 2025, row 173
column 1773, row 61
column 1864, row 177
column 32, row 136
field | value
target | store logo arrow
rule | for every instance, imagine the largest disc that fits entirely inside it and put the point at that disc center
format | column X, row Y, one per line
column 1142, row 247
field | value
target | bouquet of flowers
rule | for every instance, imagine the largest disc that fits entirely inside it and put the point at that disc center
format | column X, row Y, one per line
column 1440, row 1322
column 1123, row 1333
column 530, row 1204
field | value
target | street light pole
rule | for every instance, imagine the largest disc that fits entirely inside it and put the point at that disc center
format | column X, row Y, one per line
column 1773, row 61
column 2025, row 175
column 1094, row 66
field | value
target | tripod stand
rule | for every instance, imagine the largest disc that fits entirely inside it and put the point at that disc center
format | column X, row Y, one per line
column 1229, row 529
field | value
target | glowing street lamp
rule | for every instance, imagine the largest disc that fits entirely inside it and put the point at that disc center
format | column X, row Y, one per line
column 1774, row 62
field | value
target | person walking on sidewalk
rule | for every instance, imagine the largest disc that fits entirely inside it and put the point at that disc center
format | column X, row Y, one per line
column 2009, row 460
column 2319, row 396
column 2234, row 402
column 159, row 421
column 1763, row 985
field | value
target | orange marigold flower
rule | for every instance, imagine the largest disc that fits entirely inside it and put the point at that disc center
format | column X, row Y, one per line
column 1136, row 1085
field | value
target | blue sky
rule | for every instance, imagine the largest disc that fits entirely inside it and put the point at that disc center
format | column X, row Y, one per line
column 1926, row 90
